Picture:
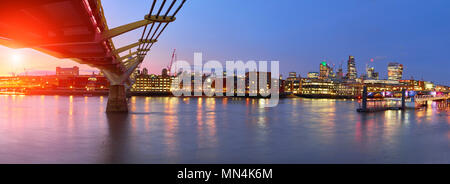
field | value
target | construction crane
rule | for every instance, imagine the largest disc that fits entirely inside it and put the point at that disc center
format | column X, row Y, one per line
column 169, row 68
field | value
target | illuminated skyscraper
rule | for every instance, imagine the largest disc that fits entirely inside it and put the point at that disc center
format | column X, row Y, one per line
column 395, row 71
column 351, row 68
column 325, row 71
column 340, row 74
column 292, row 74
column 370, row 73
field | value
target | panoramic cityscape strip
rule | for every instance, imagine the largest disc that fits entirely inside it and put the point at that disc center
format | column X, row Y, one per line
column 326, row 83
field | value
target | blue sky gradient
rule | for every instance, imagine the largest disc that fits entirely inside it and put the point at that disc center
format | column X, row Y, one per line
column 301, row 34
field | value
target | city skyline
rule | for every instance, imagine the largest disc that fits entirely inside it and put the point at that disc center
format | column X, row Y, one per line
column 403, row 36
column 334, row 70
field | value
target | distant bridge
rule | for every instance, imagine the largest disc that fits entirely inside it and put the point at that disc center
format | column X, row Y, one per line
column 425, row 98
column 383, row 105
column 77, row 29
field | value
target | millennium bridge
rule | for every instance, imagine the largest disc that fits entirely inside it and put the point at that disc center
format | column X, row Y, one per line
column 77, row 30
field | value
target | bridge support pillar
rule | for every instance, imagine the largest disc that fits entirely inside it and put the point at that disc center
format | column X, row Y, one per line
column 403, row 99
column 117, row 99
column 364, row 98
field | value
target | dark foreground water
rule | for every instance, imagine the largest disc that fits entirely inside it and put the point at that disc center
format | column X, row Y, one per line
column 59, row 129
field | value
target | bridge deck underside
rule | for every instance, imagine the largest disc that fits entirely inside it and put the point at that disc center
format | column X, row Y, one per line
column 61, row 28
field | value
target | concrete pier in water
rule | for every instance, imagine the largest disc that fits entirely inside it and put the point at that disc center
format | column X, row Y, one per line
column 117, row 99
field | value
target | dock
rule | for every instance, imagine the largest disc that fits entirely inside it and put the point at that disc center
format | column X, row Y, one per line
column 382, row 107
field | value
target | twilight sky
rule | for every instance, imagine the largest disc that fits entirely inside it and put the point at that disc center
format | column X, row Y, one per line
column 298, row 33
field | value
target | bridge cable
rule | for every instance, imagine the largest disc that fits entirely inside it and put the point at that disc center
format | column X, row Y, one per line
column 151, row 28
column 145, row 28
column 159, row 34
column 167, row 23
column 162, row 6
column 178, row 9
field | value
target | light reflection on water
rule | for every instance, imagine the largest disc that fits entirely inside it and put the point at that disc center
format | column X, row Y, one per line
column 71, row 129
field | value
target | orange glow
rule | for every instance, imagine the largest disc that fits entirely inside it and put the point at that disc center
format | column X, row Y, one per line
column 16, row 57
column 32, row 60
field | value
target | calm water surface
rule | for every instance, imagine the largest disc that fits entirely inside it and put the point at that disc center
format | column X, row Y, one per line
column 63, row 129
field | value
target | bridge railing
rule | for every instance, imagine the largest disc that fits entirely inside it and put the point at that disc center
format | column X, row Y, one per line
column 100, row 11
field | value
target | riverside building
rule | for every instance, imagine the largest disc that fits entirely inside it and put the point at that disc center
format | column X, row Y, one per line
column 145, row 82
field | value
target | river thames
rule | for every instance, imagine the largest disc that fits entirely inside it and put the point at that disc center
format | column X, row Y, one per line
column 71, row 129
